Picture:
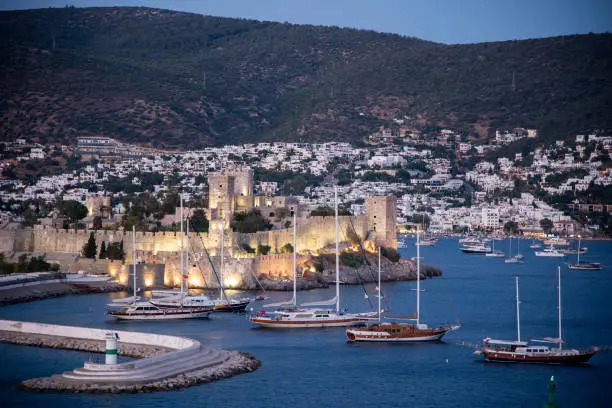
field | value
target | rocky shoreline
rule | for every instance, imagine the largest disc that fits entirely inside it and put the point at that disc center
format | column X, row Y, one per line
column 55, row 289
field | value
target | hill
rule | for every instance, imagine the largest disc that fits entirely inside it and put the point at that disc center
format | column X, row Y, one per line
column 166, row 78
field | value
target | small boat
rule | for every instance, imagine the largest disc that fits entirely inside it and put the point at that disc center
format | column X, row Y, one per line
column 551, row 251
column 517, row 351
column 535, row 245
column 290, row 315
column 495, row 253
column 556, row 241
column 429, row 242
column 479, row 249
column 591, row 266
column 399, row 332
column 513, row 259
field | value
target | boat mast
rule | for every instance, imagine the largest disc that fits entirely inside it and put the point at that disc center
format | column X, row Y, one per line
column 378, row 284
column 181, row 254
column 337, row 253
column 221, row 291
column 518, row 313
column 186, row 277
column 559, row 300
column 134, row 257
column 295, row 258
column 418, row 302
column 579, row 237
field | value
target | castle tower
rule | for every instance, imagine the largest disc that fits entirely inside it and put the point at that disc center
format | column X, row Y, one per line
column 220, row 195
column 381, row 216
column 243, row 188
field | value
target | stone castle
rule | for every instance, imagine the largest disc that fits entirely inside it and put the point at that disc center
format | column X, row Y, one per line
column 229, row 192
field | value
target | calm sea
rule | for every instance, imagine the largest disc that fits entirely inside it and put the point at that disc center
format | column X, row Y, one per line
column 316, row 367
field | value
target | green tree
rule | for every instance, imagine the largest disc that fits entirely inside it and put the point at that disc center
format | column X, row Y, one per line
column 97, row 222
column 248, row 222
column 286, row 249
column 102, row 251
column 546, row 225
column 71, row 209
column 263, row 249
column 199, row 221
column 511, row 228
column 89, row 249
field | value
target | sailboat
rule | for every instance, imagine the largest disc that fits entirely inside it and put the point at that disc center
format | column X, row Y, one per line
column 518, row 258
column 400, row 332
column 171, row 300
column 495, row 253
column 290, row 315
column 140, row 309
column 591, row 266
column 522, row 352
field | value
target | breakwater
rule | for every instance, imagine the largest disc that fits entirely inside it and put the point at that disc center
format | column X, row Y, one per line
column 166, row 362
column 53, row 288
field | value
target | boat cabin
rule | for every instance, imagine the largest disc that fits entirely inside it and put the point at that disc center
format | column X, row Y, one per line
column 504, row 345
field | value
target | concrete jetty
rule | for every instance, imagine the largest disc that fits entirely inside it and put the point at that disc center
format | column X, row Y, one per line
column 169, row 362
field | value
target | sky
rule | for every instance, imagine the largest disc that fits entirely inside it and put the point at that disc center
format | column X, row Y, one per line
column 445, row 21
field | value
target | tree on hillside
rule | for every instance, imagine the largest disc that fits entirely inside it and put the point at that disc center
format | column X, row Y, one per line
column 286, row 249
column 71, row 209
column 511, row 228
column 89, row 249
column 546, row 225
column 102, row 251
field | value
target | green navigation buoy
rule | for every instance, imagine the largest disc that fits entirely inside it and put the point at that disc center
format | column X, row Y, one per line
column 551, row 393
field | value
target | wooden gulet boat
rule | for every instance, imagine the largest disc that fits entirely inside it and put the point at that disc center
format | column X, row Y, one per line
column 399, row 332
column 517, row 351
column 290, row 316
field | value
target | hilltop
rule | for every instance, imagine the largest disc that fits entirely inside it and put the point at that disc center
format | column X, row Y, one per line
column 174, row 79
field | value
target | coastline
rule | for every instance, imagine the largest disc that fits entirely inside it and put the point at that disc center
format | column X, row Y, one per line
column 46, row 290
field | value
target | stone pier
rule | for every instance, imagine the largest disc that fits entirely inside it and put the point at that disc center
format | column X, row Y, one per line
column 169, row 362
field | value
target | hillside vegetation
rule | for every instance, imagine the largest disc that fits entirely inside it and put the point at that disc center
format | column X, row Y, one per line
column 174, row 79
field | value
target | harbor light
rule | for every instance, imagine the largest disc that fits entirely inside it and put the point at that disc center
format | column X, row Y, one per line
column 148, row 282
column 111, row 348
column 230, row 281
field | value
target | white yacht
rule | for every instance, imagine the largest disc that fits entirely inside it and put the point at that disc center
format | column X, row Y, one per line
column 551, row 251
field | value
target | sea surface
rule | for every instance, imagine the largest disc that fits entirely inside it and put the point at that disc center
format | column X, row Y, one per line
column 318, row 368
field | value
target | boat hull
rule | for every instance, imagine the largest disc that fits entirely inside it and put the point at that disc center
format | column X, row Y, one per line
column 426, row 335
column 271, row 322
column 162, row 315
column 585, row 267
column 232, row 307
column 579, row 357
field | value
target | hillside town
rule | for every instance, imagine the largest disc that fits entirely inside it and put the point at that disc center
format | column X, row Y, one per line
column 453, row 182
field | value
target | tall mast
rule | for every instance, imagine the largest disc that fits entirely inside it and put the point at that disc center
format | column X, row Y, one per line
column 295, row 258
column 222, row 263
column 518, row 315
column 181, row 254
column 559, row 300
column 337, row 253
column 418, row 305
column 187, row 268
column 134, row 257
column 379, row 285
column 579, row 237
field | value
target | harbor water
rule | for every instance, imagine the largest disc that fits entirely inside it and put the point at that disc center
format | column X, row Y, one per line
column 317, row 367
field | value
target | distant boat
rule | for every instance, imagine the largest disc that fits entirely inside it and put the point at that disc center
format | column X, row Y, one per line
column 429, row 241
column 479, row 248
column 556, row 241
column 518, row 351
column 399, row 332
column 551, row 251
column 494, row 253
column 535, row 245
column 591, row 266
column 518, row 258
